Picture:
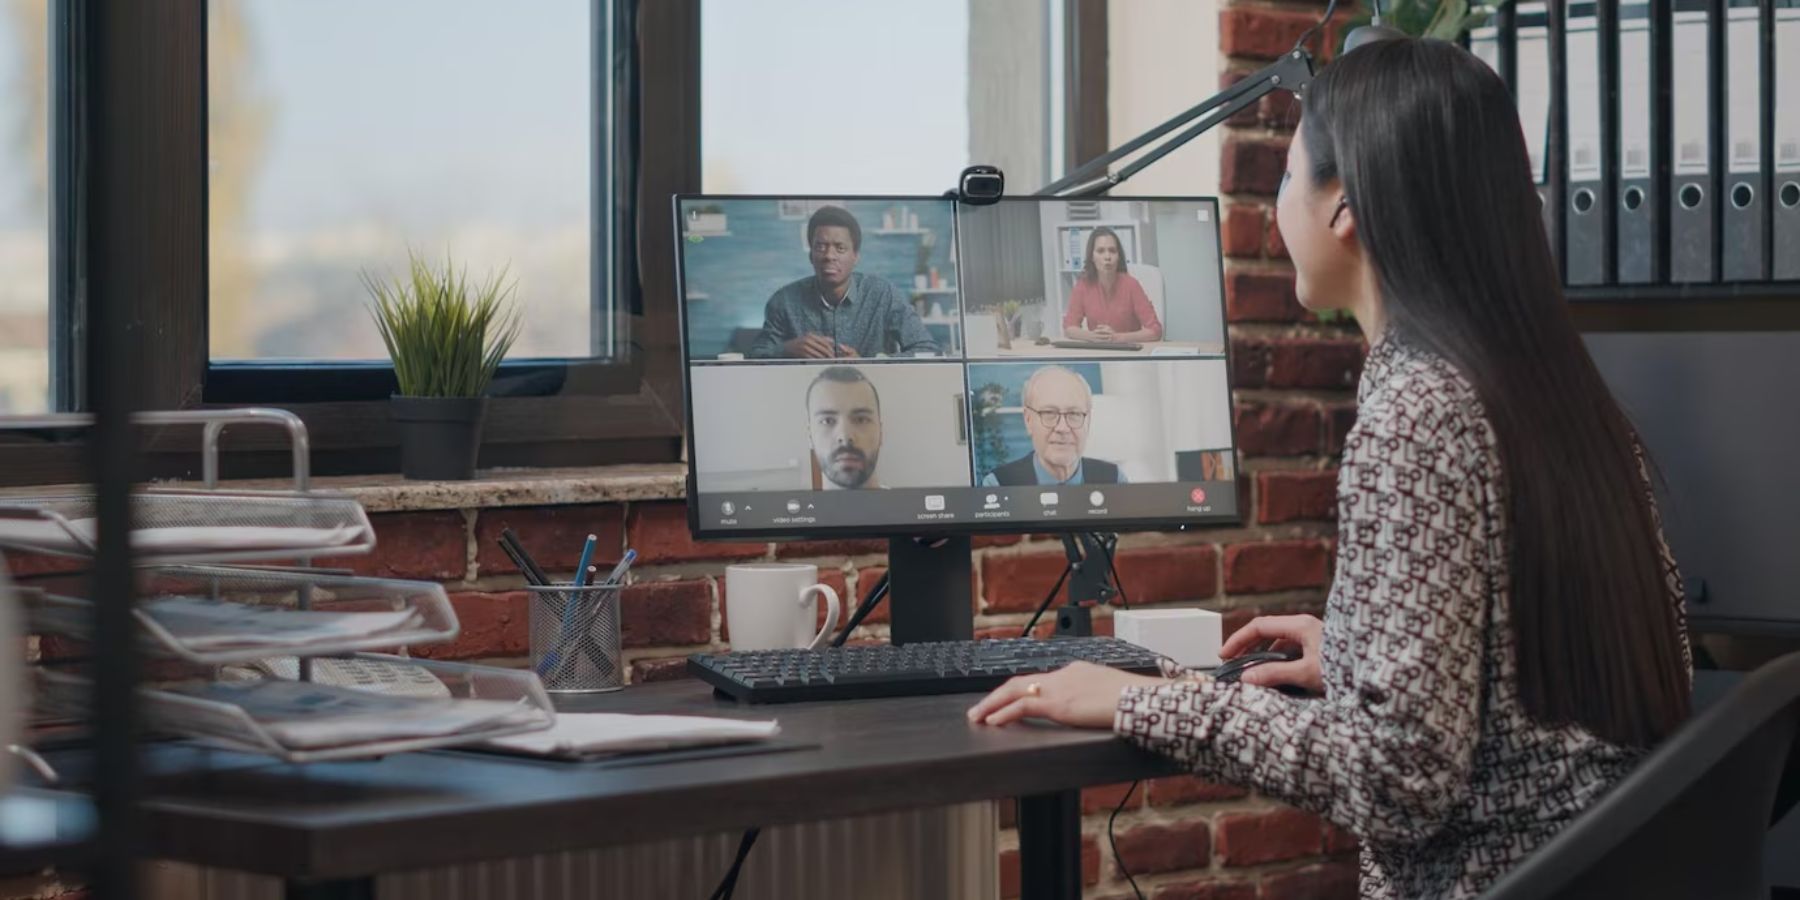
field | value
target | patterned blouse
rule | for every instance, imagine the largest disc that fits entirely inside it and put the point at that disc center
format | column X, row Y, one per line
column 1420, row 745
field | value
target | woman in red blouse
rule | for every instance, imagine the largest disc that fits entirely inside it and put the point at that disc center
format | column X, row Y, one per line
column 1107, row 304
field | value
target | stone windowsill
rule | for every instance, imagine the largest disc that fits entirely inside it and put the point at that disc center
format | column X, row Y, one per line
column 490, row 489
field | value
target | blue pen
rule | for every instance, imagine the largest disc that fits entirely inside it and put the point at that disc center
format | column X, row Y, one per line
column 548, row 663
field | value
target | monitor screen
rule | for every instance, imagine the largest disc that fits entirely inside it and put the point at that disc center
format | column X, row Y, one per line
column 911, row 365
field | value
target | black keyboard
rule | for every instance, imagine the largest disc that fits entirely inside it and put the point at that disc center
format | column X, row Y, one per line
column 951, row 667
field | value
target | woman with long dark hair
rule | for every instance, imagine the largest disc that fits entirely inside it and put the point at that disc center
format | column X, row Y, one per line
column 1504, row 637
column 1107, row 303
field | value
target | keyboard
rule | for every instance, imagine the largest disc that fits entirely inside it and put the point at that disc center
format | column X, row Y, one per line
column 1095, row 345
column 885, row 670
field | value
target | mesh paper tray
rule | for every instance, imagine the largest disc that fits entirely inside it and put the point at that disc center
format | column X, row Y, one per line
column 196, row 526
column 61, row 607
column 232, row 727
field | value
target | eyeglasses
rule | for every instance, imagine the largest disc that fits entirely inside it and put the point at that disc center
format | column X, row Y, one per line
column 1055, row 417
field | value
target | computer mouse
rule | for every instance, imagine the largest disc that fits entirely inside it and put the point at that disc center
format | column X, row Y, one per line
column 1229, row 670
column 1042, row 341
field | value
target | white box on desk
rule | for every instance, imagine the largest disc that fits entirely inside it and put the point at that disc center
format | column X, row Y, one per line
column 1190, row 637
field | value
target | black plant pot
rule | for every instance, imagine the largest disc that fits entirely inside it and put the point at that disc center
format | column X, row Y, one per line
column 439, row 436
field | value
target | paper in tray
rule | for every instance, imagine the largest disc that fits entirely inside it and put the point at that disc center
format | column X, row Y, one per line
column 215, row 615
column 302, row 722
column 170, row 526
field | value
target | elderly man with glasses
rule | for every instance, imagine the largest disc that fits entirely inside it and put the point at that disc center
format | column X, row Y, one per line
column 1058, row 412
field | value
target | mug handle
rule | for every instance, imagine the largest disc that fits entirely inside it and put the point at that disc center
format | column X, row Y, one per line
column 831, row 612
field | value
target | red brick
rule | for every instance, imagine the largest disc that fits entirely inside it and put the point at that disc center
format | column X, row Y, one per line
column 1044, row 628
column 1148, row 849
column 1106, row 797
column 1325, row 881
column 1169, row 574
column 832, row 578
column 1315, row 363
column 1018, row 583
column 492, row 625
column 1210, row 889
column 1009, row 868
column 1338, row 422
column 428, row 545
column 667, row 613
column 1243, row 232
column 1251, row 166
column 1261, row 295
column 1276, row 243
column 1179, row 790
column 995, row 540
column 1274, row 566
column 1337, row 840
column 865, row 580
column 1277, row 429
column 816, row 549
column 1249, row 363
column 1247, row 839
column 659, row 533
column 1296, row 496
column 553, row 535
column 668, row 668
column 1259, row 33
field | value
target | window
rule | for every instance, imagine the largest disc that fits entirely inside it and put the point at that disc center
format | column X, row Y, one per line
column 24, row 207
column 818, row 96
column 296, row 146
column 343, row 134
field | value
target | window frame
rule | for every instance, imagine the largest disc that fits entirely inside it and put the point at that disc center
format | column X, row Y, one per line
column 610, row 412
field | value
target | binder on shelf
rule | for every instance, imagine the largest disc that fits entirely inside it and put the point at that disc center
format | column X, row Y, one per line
column 1785, row 210
column 1531, row 56
column 1693, row 180
column 1744, row 207
column 1638, row 203
column 1585, row 214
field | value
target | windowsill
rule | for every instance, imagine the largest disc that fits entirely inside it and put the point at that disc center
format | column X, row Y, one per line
column 490, row 489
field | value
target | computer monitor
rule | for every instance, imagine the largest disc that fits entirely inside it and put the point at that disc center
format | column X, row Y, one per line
column 907, row 366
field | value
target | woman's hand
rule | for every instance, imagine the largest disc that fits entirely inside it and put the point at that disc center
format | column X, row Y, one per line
column 1302, row 633
column 1081, row 694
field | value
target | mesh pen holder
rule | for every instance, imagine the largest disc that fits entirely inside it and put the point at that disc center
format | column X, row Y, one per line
column 575, row 638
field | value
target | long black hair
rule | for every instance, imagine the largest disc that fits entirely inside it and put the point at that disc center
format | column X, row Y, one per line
column 1427, row 145
column 1087, row 266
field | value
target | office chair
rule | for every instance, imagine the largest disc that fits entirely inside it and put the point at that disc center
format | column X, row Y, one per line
column 1152, row 280
column 1691, row 820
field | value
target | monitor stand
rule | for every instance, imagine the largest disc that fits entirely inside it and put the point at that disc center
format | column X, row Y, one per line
column 929, row 589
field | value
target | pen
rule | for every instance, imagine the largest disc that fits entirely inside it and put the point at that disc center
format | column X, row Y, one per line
column 563, row 641
column 597, row 654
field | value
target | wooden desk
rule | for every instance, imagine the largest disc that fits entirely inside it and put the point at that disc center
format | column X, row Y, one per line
column 1170, row 350
column 327, row 829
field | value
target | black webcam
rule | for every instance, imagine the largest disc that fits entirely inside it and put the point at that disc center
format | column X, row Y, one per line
column 980, row 185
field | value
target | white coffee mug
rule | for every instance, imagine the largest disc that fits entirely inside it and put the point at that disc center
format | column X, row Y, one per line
column 772, row 606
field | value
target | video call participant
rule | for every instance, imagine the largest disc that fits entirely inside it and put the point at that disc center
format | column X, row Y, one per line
column 843, row 413
column 838, row 311
column 1058, row 411
column 1107, row 304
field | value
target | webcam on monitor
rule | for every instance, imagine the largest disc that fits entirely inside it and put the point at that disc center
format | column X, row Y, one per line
column 981, row 185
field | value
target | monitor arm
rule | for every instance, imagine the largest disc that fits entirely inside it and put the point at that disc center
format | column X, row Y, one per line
column 1292, row 72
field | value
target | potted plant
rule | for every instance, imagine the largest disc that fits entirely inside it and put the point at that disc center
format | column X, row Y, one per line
column 1010, row 314
column 446, row 339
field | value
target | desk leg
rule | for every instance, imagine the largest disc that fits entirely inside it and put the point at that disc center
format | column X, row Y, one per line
column 1050, row 846
column 341, row 889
